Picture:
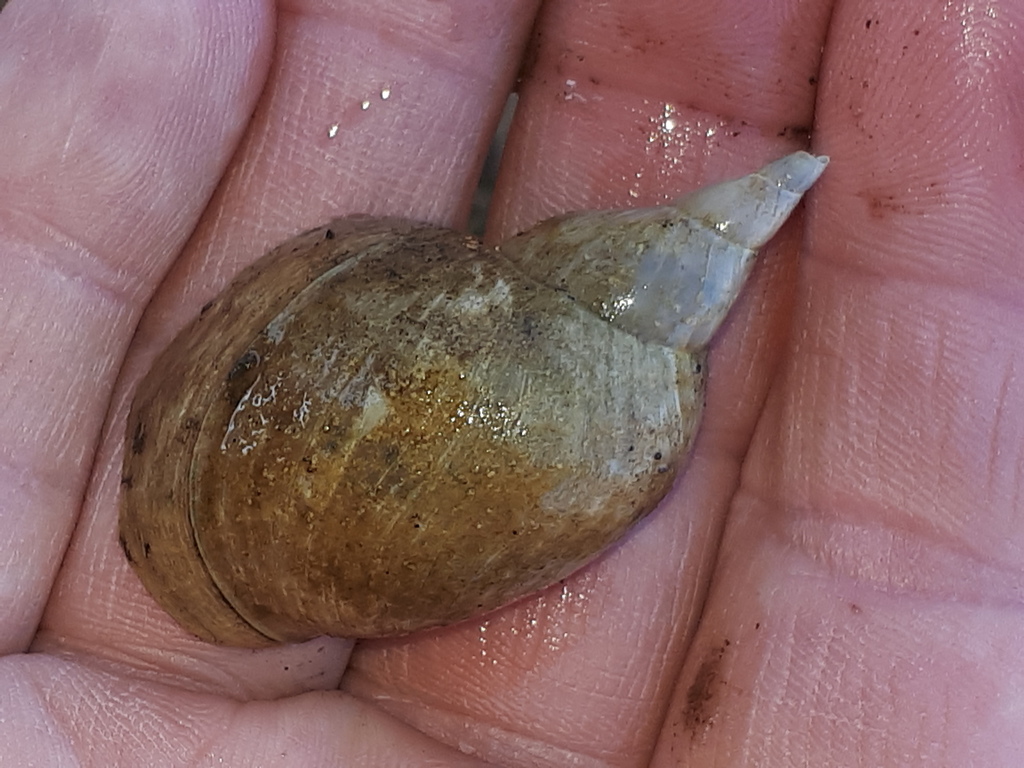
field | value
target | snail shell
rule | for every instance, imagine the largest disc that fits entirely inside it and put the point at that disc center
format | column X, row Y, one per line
column 382, row 426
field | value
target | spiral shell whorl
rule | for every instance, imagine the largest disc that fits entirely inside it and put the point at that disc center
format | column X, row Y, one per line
column 668, row 274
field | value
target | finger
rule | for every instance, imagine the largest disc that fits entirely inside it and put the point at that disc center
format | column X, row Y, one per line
column 871, row 576
column 117, row 125
column 600, row 123
column 432, row 78
column 168, row 726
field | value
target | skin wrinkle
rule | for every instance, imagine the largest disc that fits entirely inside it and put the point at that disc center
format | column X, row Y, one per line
column 67, row 255
column 843, row 267
column 447, row 58
column 62, row 443
column 958, row 372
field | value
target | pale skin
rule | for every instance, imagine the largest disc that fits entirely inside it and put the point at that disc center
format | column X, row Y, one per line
column 836, row 580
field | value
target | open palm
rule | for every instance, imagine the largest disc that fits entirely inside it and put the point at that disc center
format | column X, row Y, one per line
column 837, row 578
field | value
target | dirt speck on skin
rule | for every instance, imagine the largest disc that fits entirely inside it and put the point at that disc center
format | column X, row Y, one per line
column 702, row 697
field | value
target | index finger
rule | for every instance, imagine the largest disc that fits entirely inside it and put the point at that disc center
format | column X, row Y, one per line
column 117, row 126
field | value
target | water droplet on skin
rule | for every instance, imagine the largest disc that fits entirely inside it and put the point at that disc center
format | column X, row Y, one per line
column 570, row 93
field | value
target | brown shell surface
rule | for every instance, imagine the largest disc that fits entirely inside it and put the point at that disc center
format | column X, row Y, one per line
column 383, row 426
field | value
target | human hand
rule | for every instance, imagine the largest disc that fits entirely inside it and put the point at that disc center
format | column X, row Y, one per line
column 832, row 581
